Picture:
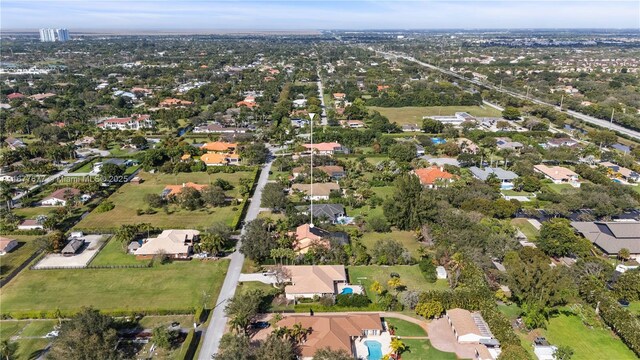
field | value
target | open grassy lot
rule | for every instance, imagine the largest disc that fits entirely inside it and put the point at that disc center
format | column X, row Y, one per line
column 414, row 114
column 178, row 285
column 150, row 322
column 10, row 261
column 406, row 238
column 596, row 343
column 27, row 348
column 409, row 274
column 113, row 254
column 561, row 188
column 130, row 197
column 634, row 307
column 527, row 229
column 405, row 328
column 422, row 350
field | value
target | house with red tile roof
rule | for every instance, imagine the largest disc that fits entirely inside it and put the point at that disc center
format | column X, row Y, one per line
column 172, row 190
column 172, row 102
column 15, row 95
column 134, row 122
column 326, row 148
column 434, row 177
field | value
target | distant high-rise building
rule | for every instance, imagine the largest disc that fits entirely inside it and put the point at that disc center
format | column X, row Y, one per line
column 52, row 35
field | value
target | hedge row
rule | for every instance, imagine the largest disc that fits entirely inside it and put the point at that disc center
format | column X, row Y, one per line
column 302, row 308
column 190, row 345
column 25, row 232
column 55, row 314
column 625, row 325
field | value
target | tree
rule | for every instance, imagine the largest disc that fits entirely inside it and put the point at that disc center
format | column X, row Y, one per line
column 8, row 349
column 407, row 207
column 276, row 348
column 234, row 347
column 329, row 354
column 111, row 173
column 139, row 142
column 396, row 284
column 254, row 154
column 163, row 337
column 403, row 152
column 624, row 254
column 243, row 308
column 282, row 275
column 563, row 352
column 213, row 195
column 397, row 346
column 557, row 238
column 377, row 288
column 154, row 200
column 431, row 126
column 511, row 113
column 513, row 352
column 189, row 198
column 257, row 241
column 273, row 196
column 87, row 335
column 430, row 309
column 390, row 252
column 378, row 224
column 602, row 137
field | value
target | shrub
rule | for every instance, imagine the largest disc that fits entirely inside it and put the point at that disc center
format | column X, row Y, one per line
column 104, row 207
column 428, row 269
column 352, row 300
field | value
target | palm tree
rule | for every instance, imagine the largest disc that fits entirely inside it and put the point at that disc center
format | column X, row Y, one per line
column 8, row 349
column 6, row 194
column 397, row 347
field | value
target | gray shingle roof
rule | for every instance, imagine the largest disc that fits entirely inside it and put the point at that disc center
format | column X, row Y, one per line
column 611, row 236
column 483, row 174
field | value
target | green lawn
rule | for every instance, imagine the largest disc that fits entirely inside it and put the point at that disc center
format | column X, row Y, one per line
column 27, row 348
column 511, row 311
column 384, row 191
column 596, row 343
column 527, row 229
column 38, row 328
column 113, row 254
column 26, row 247
column 515, row 193
column 405, row 328
column 130, row 197
column 178, row 285
column 561, row 188
column 11, row 328
column 422, row 350
column 406, row 238
column 414, row 114
column 409, row 274
column 150, row 322
column 86, row 167
column 634, row 307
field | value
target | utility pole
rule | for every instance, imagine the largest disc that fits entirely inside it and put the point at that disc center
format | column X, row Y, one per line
column 612, row 112
column 561, row 100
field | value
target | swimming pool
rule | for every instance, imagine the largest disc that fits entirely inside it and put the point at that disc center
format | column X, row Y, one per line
column 346, row 290
column 375, row 349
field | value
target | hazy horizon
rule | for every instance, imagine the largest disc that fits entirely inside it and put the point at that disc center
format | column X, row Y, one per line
column 234, row 15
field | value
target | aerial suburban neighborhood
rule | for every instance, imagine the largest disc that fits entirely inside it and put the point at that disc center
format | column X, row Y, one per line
column 321, row 194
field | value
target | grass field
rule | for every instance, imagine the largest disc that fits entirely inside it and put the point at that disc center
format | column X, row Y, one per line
column 409, row 274
column 26, row 247
column 27, row 348
column 586, row 343
column 405, row 328
column 113, row 254
column 414, row 114
column 178, row 285
column 561, row 188
column 527, row 229
column 406, row 238
column 130, row 197
column 422, row 350
column 634, row 307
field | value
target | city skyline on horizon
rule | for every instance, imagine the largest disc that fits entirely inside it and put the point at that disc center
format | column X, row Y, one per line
column 312, row 15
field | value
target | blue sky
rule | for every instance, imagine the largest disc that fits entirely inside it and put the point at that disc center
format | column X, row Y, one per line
column 307, row 14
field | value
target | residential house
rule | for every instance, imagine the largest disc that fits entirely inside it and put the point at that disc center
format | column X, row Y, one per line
column 542, row 349
column 134, row 122
column 456, row 120
column 558, row 174
column 15, row 95
column 300, row 103
column 419, row 150
column 216, row 128
column 336, row 332
column 30, row 224
column 176, row 244
column 172, row 102
column 327, row 148
column 505, row 143
column 467, row 146
column 434, row 177
column 339, row 96
column 172, row 190
column 353, row 124
column 470, row 328
column 560, row 142
column 60, row 197
column 14, row 144
column 330, row 212
column 320, row 191
column 72, row 247
column 12, row 177
column 298, row 123
column 85, row 141
column 611, row 237
column 334, row 171
column 214, row 159
column 411, row 128
column 308, row 281
column 6, row 245
column 621, row 172
column 220, row 147
column 97, row 166
column 506, row 177
column 41, row 97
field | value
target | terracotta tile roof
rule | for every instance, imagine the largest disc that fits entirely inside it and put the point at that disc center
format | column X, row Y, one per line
column 211, row 158
column 308, row 279
column 428, row 176
column 332, row 331
column 219, row 146
column 555, row 172
column 174, row 102
column 62, row 193
column 306, row 236
column 15, row 95
column 321, row 189
column 176, row 189
column 332, row 146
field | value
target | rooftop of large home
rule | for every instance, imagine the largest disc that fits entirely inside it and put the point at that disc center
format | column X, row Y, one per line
column 433, row 174
column 308, row 279
column 611, row 237
column 170, row 190
column 220, row 146
column 318, row 189
column 556, row 172
column 483, row 174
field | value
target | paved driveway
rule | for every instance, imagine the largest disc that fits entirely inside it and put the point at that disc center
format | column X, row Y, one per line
column 265, row 279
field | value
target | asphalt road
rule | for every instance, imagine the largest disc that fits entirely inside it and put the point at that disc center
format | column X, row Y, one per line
column 213, row 333
column 48, row 180
column 586, row 118
column 323, row 115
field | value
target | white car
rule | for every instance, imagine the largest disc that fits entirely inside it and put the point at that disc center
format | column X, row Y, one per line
column 52, row 334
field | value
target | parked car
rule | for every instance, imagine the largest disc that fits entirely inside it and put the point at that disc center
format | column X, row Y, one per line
column 260, row 325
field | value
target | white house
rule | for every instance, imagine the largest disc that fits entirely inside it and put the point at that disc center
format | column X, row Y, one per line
column 30, row 224
column 468, row 327
column 135, row 122
column 60, row 197
column 6, row 245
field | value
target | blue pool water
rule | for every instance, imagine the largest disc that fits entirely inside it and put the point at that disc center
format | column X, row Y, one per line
column 347, row 290
column 618, row 181
column 438, row 141
column 375, row 349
